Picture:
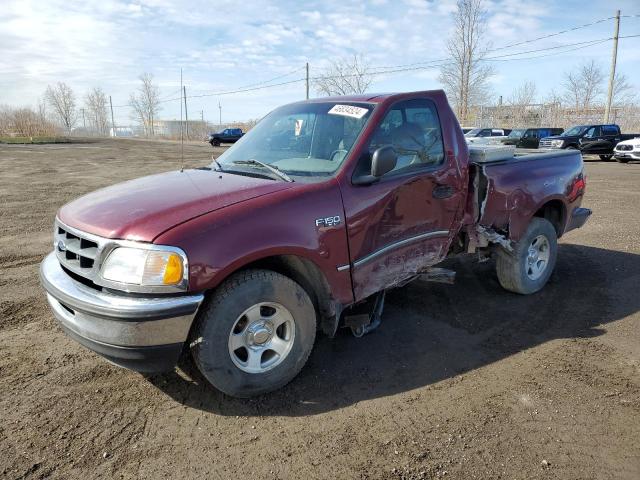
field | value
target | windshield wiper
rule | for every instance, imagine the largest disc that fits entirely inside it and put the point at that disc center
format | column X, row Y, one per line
column 272, row 169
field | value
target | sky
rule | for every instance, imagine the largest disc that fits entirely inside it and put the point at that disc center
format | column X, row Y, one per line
column 223, row 46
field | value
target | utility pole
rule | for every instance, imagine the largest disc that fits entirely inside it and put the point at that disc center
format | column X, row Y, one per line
column 612, row 74
column 113, row 124
column 186, row 115
column 220, row 108
column 307, row 80
column 84, row 123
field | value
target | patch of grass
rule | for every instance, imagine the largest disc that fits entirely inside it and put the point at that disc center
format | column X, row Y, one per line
column 35, row 140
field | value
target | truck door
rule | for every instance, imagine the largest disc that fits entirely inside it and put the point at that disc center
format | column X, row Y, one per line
column 592, row 141
column 530, row 138
column 402, row 224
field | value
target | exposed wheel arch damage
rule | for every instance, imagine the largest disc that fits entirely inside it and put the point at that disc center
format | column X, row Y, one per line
column 555, row 212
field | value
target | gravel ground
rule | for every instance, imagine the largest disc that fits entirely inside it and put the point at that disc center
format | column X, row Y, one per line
column 463, row 381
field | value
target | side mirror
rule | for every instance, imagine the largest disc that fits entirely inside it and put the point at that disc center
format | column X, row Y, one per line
column 383, row 160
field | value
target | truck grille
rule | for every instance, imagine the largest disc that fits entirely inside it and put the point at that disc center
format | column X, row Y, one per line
column 544, row 143
column 624, row 148
column 77, row 251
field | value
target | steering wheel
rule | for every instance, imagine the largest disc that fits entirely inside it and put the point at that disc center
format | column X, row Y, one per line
column 335, row 152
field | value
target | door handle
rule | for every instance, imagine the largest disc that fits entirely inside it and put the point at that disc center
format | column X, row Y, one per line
column 443, row 191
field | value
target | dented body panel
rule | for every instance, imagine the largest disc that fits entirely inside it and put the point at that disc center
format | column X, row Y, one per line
column 515, row 190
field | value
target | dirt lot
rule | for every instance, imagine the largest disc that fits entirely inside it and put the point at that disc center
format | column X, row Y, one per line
column 466, row 381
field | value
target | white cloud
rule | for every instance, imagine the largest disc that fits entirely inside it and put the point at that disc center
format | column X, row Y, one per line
column 224, row 45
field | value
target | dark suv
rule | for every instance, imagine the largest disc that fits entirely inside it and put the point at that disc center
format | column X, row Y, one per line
column 530, row 137
column 228, row 135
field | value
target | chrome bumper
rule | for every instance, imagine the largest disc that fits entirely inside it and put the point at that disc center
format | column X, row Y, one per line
column 142, row 333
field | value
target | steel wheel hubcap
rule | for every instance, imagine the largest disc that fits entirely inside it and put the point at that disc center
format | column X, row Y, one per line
column 537, row 257
column 261, row 337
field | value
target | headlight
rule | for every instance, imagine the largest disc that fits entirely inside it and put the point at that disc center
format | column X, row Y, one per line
column 145, row 267
column 557, row 143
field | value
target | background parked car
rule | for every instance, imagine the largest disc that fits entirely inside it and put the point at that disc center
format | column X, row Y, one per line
column 591, row 139
column 488, row 132
column 627, row 150
column 530, row 137
column 228, row 135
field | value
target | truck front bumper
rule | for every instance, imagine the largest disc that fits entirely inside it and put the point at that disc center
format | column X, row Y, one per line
column 137, row 332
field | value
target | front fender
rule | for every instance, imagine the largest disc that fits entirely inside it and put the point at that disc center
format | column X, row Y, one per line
column 283, row 223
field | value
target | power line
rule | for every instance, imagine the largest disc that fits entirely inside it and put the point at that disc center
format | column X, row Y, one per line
column 531, row 40
column 264, row 82
column 413, row 67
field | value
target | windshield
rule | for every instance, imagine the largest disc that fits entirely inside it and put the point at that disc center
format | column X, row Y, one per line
column 579, row 130
column 517, row 133
column 473, row 132
column 309, row 139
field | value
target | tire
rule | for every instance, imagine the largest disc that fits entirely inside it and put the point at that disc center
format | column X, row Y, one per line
column 606, row 158
column 571, row 147
column 215, row 143
column 622, row 160
column 515, row 272
column 229, row 318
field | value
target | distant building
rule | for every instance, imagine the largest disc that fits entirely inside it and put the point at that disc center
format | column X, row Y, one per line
column 121, row 132
column 171, row 128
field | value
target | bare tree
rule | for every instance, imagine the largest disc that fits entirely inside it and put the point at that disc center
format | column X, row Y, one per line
column 146, row 103
column 24, row 122
column 583, row 86
column 96, row 103
column 520, row 102
column 63, row 102
column 344, row 77
column 465, row 77
column 623, row 92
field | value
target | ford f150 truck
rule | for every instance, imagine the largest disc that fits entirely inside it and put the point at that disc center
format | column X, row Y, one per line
column 589, row 139
column 299, row 227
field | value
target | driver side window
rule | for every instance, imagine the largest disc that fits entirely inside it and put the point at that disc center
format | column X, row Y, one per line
column 413, row 129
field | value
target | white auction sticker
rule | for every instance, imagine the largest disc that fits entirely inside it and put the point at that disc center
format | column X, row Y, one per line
column 348, row 111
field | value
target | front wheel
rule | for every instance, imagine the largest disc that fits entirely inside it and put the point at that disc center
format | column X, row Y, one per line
column 605, row 158
column 622, row 160
column 528, row 268
column 255, row 334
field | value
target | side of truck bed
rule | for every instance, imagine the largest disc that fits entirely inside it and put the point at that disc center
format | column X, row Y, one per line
column 509, row 191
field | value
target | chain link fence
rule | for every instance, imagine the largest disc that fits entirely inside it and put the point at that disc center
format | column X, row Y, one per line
column 551, row 115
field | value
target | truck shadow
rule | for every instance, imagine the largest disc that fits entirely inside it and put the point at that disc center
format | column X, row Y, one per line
column 432, row 332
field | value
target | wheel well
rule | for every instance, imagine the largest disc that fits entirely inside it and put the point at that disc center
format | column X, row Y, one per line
column 554, row 212
column 309, row 276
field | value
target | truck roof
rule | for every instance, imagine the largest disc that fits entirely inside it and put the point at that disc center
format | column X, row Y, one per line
column 375, row 97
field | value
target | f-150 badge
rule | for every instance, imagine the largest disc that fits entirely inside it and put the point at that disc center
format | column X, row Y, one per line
column 328, row 221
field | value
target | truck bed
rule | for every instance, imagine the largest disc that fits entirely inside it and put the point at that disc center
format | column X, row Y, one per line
column 509, row 190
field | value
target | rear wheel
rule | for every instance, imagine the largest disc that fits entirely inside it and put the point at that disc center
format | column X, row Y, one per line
column 255, row 334
column 528, row 268
column 605, row 158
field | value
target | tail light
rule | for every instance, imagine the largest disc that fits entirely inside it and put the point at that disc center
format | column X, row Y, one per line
column 577, row 187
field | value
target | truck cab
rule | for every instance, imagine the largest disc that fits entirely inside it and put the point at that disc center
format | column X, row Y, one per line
column 300, row 229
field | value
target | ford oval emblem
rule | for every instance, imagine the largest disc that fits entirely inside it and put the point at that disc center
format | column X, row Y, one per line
column 61, row 246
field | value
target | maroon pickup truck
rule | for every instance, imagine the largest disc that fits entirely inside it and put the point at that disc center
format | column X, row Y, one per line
column 299, row 227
